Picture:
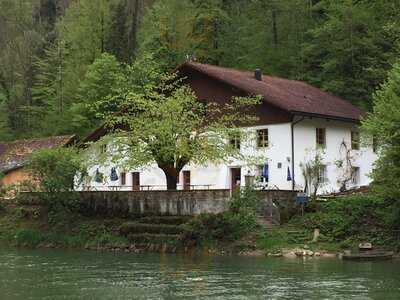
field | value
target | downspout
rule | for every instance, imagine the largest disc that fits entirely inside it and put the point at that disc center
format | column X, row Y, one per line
column 292, row 134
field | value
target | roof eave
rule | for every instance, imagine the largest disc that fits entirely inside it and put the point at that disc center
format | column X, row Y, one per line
column 328, row 117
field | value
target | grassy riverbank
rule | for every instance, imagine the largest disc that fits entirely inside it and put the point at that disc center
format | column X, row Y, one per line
column 343, row 223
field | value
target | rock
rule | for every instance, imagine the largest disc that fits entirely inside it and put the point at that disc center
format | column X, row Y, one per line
column 289, row 254
column 365, row 246
column 329, row 255
column 276, row 254
column 315, row 236
column 306, row 247
column 317, row 254
column 299, row 253
column 308, row 253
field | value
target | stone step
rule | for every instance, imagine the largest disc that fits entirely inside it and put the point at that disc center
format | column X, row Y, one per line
column 147, row 238
column 167, row 220
column 139, row 228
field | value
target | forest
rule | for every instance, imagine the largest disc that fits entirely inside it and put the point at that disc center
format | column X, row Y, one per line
column 49, row 49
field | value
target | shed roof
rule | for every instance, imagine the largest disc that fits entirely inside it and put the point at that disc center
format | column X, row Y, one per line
column 14, row 155
column 294, row 96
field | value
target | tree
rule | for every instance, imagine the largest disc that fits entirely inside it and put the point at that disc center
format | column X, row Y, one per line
column 383, row 124
column 351, row 48
column 312, row 170
column 162, row 121
column 55, row 170
column 165, row 32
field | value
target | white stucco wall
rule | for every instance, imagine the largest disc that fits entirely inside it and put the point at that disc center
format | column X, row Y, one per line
column 278, row 151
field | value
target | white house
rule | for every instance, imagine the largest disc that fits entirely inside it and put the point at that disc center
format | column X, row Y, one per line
column 296, row 121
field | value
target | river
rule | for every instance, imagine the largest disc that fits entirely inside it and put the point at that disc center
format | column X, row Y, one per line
column 50, row 274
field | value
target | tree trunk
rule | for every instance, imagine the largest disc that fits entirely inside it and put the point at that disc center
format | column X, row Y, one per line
column 171, row 174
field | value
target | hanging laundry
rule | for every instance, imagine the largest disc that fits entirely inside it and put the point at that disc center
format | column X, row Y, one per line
column 114, row 175
column 98, row 177
column 289, row 176
column 265, row 172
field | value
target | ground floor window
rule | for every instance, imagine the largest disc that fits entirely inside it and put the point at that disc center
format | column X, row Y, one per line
column 355, row 175
column 322, row 174
column 123, row 178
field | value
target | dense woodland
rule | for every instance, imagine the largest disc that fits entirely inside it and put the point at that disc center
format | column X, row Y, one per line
column 49, row 49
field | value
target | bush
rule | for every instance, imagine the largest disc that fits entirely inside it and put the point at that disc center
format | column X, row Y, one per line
column 364, row 217
column 28, row 238
column 229, row 226
column 55, row 170
column 131, row 227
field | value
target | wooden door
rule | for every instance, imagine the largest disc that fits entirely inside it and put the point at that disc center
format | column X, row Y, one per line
column 186, row 180
column 135, row 181
column 236, row 175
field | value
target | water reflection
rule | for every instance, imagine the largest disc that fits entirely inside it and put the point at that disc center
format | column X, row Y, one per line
column 88, row 275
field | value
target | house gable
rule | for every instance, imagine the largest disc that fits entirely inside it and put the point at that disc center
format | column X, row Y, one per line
column 209, row 89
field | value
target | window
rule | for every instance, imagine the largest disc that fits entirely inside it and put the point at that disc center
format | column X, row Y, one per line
column 355, row 175
column 123, row 178
column 322, row 174
column 321, row 137
column 234, row 141
column 103, row 148
column 355, row 140
column 262, row 138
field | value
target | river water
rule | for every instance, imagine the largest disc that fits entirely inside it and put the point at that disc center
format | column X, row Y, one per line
column 56, row 275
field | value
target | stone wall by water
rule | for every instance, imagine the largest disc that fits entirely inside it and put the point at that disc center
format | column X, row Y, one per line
column 174, row 203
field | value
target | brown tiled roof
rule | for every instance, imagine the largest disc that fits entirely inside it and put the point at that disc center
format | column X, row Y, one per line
column 294, row 96
column 15, row 154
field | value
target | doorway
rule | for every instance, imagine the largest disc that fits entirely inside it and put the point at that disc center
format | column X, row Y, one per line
column 135, row 181
column 186, row 180
column 236, row 175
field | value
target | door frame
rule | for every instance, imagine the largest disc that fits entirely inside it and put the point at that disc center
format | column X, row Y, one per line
column 232, row 184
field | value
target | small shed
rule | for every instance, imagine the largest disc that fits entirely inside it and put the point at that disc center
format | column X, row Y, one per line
column 15, row 155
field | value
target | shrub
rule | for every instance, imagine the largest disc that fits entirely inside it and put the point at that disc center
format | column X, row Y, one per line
column 28, row 238
column 55, row 170
column 229, row 226
column 364, row 217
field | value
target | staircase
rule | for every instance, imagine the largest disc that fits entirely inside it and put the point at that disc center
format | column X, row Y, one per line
column 158, row 233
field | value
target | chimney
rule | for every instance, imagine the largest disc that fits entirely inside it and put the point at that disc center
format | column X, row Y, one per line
column 258, row 74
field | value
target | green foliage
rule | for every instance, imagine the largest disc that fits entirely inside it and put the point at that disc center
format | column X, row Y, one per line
column 240, row 220
column 311, row 171
column 384, row 125
column 132, row 228
column 351, row 47
column 55, row 170
column 344, row 46
column 357, row 217
column 28, row 238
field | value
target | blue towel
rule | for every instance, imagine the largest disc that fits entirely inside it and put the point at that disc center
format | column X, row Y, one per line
column 265, row 172
column 289, row 177
column 113, row 176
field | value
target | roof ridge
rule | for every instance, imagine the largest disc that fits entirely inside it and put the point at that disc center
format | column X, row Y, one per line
column 294, row 96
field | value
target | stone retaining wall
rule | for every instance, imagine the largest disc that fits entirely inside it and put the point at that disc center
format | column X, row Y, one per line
column 175, row 203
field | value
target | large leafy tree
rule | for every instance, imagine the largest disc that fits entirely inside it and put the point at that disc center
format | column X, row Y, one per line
column 158, row 119
column 384, row 125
